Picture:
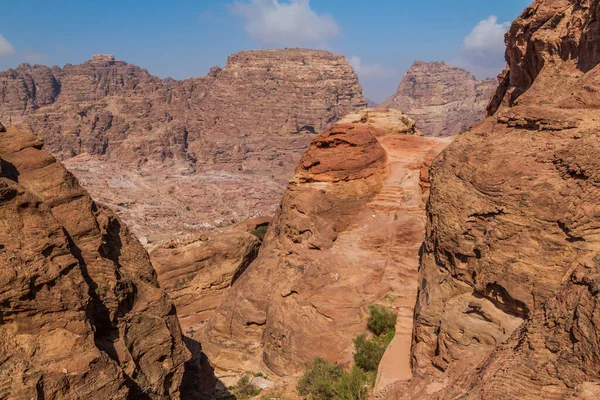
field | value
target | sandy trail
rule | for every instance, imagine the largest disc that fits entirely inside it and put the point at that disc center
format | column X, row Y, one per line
column 389, row 240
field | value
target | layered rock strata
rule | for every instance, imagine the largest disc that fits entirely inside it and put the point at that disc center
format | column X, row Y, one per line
column 81, row 312
column 197, row 271
column 240, row 128
column 444, row 100
column 508, row 301
column 347, row 235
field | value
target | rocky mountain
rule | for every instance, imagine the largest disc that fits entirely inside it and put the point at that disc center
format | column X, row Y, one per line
column 444, row 100
column 508, row 299
column 81, row 312
column 347, row 235
column 231, row 137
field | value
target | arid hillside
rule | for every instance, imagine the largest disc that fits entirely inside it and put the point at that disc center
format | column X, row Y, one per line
column 174, row 157
column 347, row 235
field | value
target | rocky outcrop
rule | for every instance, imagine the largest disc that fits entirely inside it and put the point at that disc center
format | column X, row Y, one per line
column 241, row 128
column 508, row 296
column 81, row 312
column 444, row 100
column 347, row 235
column 198, row 271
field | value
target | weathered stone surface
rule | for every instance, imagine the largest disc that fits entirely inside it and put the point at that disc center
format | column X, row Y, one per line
column 347, row 235
column 240, row 129
column 444, row 100
column 508, row 296
column 197, row 271
column 81, row 313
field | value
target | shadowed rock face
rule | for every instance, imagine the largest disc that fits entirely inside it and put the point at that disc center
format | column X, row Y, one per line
column 81, row 313
column 231, row 138
column 444, row 100
column 198, row 271
column 508, row 302
column 347, row 235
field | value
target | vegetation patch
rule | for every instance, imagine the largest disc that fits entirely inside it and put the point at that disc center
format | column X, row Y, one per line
column 381, row 320
column 260, row 231
column 323, row 380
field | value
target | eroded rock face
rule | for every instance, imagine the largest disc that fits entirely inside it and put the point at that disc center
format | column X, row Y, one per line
column 444, row 100
column 81, row 313
column 508, row 299
column 198, row 271
column 240, row 129
column 347, row 235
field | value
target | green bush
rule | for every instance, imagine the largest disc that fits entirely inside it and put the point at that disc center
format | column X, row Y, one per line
column 319, row 380
column 245, row 389
column 354, row 385
column 323, row 380
column 328, row 381
column 260, row 231
column 381, row 321
column 370, row 351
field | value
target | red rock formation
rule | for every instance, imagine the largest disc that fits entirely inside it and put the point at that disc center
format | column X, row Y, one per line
column 508, row 296
column 347, row 235
column 198, row 271
column 81, row 313
column 444, row 100
column 240, row 129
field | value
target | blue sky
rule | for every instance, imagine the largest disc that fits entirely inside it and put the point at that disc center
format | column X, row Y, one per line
column 184, row 38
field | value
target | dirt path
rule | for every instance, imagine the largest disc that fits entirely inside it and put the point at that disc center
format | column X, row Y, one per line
column 389, row 239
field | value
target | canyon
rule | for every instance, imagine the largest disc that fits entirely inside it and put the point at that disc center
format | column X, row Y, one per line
column 347, row 235
column 444, row 100
column 226, row 143
column 484, row 241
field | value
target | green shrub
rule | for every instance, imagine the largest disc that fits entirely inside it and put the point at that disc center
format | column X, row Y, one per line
column 260, row 231
column 319, row 380
column 381, row 321
column 370, row 351
column 328, row 381
column 354, row 385
column 245, row 389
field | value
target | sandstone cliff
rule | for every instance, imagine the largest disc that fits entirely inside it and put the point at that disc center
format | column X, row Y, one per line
column 444, row 100
column 227, row 142
column 508, row 300
column 197, row 271
column 81, row 313
column 347, row 235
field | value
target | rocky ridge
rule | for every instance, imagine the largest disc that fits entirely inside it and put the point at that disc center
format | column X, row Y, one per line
column 508, row 299
column 81, row 312
column 243, row 125
column 347, row 235
column 198, row 270
column 444, row 100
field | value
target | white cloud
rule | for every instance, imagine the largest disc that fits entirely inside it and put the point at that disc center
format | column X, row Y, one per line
column 370, row 70
column 482, row 51
column 6, row 49
column 285, row 24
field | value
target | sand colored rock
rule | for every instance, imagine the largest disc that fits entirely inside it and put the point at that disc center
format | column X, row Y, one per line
column 198, row 271
column 347, row 235
column 444, row 100
column 239, row 129
column 81, row 313
column 507, row 306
